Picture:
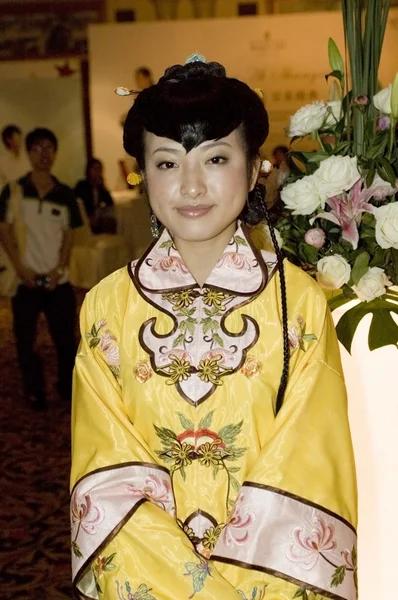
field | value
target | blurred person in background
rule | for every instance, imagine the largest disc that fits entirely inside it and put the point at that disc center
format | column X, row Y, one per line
column 37, row 215
column 97, row 200
column 13, row 160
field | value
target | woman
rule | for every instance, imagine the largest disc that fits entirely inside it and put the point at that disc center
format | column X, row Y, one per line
column 96, row 198
column 211, row 450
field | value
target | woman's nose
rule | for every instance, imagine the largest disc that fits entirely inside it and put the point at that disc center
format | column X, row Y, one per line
column 193, row 183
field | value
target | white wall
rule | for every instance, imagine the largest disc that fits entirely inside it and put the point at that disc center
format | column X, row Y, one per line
column 285, row 55
column 32, row 94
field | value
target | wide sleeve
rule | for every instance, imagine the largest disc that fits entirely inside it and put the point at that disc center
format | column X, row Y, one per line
column 125, row 539
column 292, row 530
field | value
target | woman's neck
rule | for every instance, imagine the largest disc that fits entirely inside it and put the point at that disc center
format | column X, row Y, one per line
column 201, row 257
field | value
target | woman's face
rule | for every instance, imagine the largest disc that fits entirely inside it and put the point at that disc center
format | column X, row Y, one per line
column 197, row 195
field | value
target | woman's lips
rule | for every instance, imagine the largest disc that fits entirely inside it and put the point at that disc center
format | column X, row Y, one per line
column 194, row 212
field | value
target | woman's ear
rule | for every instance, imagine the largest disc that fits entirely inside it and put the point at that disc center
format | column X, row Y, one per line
column 255, row 170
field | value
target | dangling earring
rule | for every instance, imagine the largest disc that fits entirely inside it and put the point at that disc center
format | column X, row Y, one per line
column 154, row 227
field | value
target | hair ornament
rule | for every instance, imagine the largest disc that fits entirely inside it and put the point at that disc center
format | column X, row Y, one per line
column 259, row 93
column 196, row 57
column 123, row 91
column 266, row 167
column 134, row 178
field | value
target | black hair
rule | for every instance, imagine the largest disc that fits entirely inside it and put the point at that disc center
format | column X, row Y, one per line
column 38, row 134
column 8, row 131
column 91, row 162
column 197, row 102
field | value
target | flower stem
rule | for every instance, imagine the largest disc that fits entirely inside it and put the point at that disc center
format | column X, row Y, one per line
column 318, row 139
column 393, row 124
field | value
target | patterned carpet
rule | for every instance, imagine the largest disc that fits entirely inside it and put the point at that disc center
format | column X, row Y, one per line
column 34, row 519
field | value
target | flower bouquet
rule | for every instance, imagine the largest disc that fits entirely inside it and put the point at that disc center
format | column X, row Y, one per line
column 340, row 209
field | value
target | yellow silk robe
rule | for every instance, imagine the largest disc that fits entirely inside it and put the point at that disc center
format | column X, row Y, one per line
column 184, row 483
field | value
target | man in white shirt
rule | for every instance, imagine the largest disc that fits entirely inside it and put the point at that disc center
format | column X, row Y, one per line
column 46, row 211
column 13, row 159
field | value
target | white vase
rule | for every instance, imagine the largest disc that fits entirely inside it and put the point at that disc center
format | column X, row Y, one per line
column 372, row 385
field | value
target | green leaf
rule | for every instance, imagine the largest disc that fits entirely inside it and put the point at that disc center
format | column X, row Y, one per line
column 379, row 259
column 360, row 267
column 206, row 421
column 335, row 58
column 167, row 244
column 394, row 98
column 218, row 340
column 186, row 423
column 337, row 301
column 240, row 240
column 233, row 469
column 166, row 435
column 235, row 484
column 301, row 593
column 190, row 324
column 338, row 576
column 76, row 550
column 210, row 325
column 391, row 177
column 383, row 330
column 337, row 74
column 310, row 337
column 94, row 342
column 229, row 432
column 354, row 556
column 179, row 340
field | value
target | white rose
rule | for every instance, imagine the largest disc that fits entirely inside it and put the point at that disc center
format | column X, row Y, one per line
column 335, row 113
column 381, row 188
column 307, row 119
column 333, row 272
column 387, row 225
column 382, row 100
column 302, row 197
column 372, row 284
column 336, row 175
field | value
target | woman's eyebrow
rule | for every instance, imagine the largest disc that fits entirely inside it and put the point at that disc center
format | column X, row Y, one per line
column 165, row 149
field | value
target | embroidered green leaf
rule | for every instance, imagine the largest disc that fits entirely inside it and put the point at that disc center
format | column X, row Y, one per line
column 229, row 432
column 234, row 453
column 76, row 550
column 166, row 435
column 233, row 469
column 206, row 421
column 167, row 244
column 109, row 559
column 240, row 240
column 186, row 423
column 190, row 325
column 97, row 586
column 182, row 471
column 301, row 593
column 218, row 340
column 209, row 325
column 179, row 340
column 94, row 342
column 235, row 484
column 94, row 331
column 338, row 576
column 187, row 312
column 310, row 337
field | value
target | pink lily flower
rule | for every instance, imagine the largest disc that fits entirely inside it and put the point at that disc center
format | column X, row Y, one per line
column 346, row 212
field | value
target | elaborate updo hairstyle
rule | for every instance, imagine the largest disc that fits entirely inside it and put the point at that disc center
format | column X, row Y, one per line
column 197, row 102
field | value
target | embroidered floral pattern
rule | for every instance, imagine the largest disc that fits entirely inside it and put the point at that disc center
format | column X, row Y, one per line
column 142, row 371
column 87, row 516
column 235, row 533
column 198, row 572
column 141, row 593
column 257, row 593
column 251, row 367
column 199, row 351
column 297, row 336
column 154, row 489
column 311, row 546
column 100, row 566
column 212, row 449
column 107, row 344
column 210, row 537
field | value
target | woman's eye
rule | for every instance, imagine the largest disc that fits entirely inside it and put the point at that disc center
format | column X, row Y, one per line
column 166, row 164
column 218, row 160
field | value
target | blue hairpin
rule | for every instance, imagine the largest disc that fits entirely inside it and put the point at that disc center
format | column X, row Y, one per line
column 195, row 57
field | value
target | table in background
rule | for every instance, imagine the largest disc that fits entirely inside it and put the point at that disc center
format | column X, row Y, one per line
column 133, row 221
